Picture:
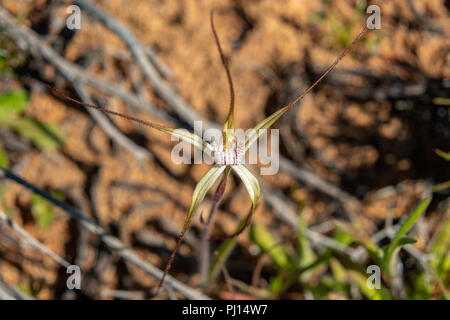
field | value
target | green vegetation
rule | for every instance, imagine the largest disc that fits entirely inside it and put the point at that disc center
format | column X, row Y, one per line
column 42, row 135
column 329, row 272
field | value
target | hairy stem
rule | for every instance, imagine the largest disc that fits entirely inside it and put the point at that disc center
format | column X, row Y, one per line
column 205, row 241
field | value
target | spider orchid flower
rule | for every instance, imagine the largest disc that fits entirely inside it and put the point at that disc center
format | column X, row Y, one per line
column 230, row 154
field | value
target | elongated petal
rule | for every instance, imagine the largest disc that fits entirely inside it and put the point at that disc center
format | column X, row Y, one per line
column 229, row 124
column 263, row 125
column 266, row 123
column 250, row 182
column 191, row 138
column 203, row 186
column 252, row 186
column 200, row 190
column 180, row 133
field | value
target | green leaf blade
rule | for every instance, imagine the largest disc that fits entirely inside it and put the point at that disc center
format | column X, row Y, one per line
column 264, row 239
column 406, row 226
column 12, row 104
column 42, row 212
column 43, row 136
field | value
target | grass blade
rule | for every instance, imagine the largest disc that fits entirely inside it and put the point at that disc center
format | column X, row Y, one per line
column 406, row 226
column 264, row 239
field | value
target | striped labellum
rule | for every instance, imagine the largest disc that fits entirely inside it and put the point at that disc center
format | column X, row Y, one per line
column 233, row 154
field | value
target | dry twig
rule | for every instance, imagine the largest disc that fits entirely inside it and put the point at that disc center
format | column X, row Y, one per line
column 174, row 101
column 116, row 135
column 27, row 40
column 186, row 112
column 110, row 241
column 34, row 242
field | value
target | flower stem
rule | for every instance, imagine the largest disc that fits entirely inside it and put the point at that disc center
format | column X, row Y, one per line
column 205, row 241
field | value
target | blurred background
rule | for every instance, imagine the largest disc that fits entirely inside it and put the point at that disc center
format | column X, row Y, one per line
column 357, row 154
